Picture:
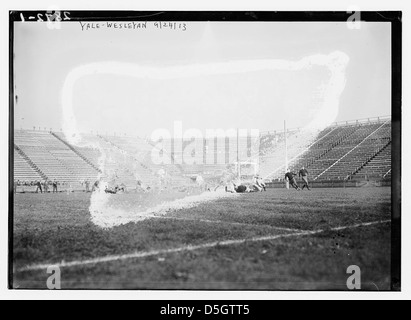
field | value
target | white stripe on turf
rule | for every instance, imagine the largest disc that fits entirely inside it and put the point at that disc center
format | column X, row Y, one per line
column 225, row 222
column 190, row 248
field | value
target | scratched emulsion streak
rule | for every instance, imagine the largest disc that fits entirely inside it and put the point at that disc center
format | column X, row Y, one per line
column 336, row 62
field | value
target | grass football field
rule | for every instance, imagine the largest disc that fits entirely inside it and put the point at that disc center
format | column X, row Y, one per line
column 275, row 240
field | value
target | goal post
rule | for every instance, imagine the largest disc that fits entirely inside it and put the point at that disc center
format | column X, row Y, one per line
column 287, row 183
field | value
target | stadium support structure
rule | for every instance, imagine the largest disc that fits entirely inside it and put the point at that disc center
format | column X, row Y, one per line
column 325, row 147
column 151, row 176
column 178, row 166
column 369, row 160
column 134, row 158
column 304, row 141
column 350, row 151
column 31, row 163
column 285, row 145
column 76, row 152
column 388, row 172
column 359, row 150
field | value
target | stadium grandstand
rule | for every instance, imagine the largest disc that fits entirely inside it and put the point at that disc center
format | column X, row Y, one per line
column 343, row 151
column 351, row 151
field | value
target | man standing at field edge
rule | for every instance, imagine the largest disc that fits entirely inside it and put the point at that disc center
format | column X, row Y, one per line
column 304, row 174
column 38, row 187
column 54, row 186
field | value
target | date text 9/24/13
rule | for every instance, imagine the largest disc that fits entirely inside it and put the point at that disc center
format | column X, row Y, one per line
column 140, row 25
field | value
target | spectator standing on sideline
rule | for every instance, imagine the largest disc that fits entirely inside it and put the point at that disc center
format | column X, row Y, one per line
column 87, row 186
column 46, row 186
column 38, row 187
column 55, row 186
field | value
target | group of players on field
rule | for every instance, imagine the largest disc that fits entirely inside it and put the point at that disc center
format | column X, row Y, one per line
column 258, row 184
column 290, row 177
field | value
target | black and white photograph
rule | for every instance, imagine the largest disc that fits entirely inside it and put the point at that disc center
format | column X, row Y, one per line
column 212, row 150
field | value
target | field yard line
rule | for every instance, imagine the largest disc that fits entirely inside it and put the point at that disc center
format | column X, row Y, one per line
column 190, row 248
column 226, row 222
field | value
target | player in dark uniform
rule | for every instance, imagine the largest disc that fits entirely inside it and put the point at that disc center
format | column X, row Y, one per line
column 240, row 189
column 55, row 186
column 38, row 187
column 96, row 186
column 304, row 175
column 109, row 190
column 290, row 177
